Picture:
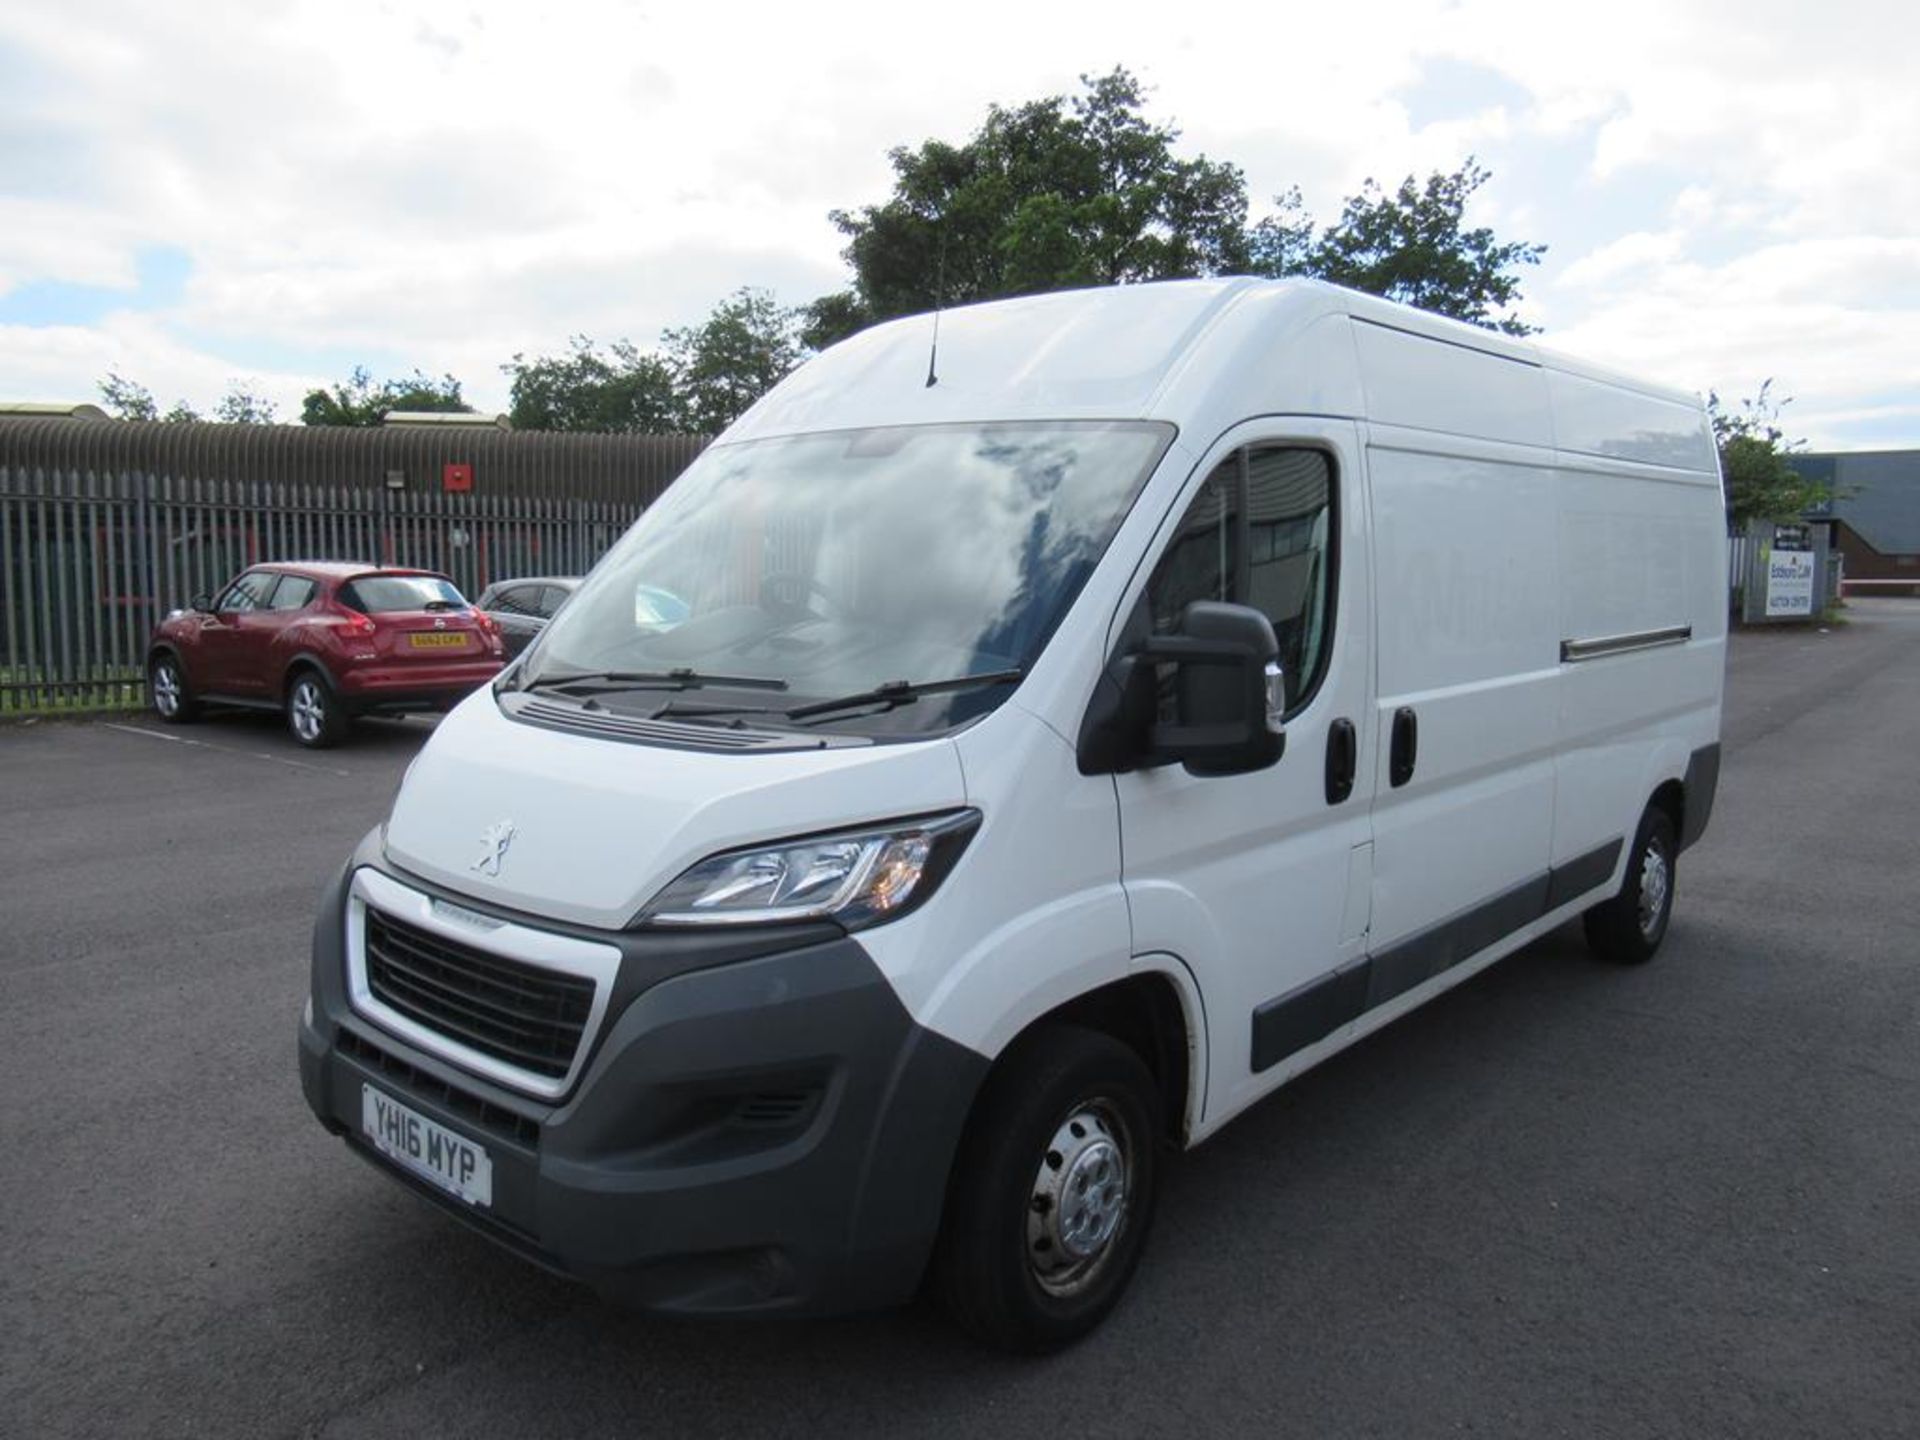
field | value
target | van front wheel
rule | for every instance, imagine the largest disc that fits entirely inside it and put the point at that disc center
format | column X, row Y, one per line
column 1053, row 1192
column 1628, row 928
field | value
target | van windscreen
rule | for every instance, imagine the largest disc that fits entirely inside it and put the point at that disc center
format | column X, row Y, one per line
column 842, row 561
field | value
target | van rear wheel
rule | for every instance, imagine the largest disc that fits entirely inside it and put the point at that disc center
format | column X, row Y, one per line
column 1628, row 929
column 1053, row 1192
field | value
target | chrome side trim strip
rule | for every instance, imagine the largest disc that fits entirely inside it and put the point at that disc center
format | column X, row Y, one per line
column 595, row 962
column 1574, row 651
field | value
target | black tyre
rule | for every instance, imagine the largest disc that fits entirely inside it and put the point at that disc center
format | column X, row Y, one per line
column 1628, row 929
column 167, row 690
column 1053, row 1191
column 315, row 716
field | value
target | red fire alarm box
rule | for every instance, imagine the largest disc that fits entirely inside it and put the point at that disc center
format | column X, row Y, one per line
column 456, row 479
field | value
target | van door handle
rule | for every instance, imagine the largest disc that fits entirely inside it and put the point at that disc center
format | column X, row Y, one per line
column 1406, row 746
column 1343, row 757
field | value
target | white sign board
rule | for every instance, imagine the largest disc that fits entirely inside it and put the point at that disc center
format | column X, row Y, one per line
column 1789, row 583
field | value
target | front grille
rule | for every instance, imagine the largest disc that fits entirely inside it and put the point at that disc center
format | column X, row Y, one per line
column 523, row 1015
column 495, row 1119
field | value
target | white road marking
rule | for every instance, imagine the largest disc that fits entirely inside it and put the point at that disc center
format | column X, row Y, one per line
column 150, row 734
column 225, row 749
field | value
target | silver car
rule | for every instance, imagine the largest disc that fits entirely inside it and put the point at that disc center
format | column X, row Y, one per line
column 523, row 607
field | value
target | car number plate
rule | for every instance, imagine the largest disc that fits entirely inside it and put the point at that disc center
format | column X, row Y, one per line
column 437, row 640
column 431, row 1151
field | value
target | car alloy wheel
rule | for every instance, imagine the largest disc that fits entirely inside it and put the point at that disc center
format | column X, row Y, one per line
column 166, row 689
column 313, row 713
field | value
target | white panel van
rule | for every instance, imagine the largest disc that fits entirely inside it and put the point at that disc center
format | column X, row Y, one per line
column 994, row 766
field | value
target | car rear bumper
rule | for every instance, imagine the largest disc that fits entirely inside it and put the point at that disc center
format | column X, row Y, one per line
column 769, row 1135
column 392, row 687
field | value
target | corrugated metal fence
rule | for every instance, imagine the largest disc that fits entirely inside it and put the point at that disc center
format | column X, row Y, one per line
column 90, row 560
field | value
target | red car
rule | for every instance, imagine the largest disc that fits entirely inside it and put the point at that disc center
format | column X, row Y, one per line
column 322, row 642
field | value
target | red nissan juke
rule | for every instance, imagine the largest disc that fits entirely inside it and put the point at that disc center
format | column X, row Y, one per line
column 322, row 642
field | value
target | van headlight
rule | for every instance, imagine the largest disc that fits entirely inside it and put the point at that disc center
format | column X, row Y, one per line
column 857, row 877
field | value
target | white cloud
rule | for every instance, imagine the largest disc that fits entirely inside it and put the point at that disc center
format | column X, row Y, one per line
column 1727, row 188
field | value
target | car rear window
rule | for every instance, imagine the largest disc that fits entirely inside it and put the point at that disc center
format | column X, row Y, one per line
column 381, row 594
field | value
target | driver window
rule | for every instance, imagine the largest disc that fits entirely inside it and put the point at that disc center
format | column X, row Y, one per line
column 246, row 593
column 1259, row 533
column 1204, row 552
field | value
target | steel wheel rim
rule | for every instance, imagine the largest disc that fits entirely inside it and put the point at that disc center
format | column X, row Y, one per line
column 309, row 710
column 1080, row 1198
column 1656, row 884
column 166, row 689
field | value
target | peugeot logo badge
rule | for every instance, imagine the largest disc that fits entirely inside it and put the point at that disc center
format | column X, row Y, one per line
column 494, row 841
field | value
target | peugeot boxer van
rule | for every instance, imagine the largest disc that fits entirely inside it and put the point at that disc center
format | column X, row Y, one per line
column 1027, row 738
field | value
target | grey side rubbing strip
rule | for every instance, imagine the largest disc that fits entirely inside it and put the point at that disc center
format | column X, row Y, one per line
column 1313, row 1011
column 1703, row 779
column 1581, row 874
column 1595, row 647
column 1419, row 958
column 1310, row 1013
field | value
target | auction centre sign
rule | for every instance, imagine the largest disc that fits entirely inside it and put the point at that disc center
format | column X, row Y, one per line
column 1790, row 573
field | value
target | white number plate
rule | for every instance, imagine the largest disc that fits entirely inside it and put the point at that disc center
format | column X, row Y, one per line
column 431, row 1151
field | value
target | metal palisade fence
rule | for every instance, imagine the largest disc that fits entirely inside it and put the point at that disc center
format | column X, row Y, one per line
column 90, row 560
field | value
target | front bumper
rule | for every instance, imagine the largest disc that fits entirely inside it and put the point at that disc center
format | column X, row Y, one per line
column 752, row 1132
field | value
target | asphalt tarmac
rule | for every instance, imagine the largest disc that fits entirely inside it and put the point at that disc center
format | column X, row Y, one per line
column 1564, row 1200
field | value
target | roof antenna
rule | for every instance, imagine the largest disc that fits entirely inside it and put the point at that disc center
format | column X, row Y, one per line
column 939, row 300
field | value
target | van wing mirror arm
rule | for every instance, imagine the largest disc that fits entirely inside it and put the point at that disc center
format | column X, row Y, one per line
column 1122, row 729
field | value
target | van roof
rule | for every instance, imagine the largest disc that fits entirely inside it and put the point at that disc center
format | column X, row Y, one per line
column 1201, row 353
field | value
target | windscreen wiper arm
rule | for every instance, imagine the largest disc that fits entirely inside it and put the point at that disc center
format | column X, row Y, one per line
column 681, row 679
column 899, row 692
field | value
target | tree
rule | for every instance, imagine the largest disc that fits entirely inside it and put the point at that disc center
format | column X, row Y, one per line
column 721, row 367
column 1086, row 191
column 360, row 402
column 1282, row 243
column 1054, row 193
column 130, row 400
column 241, row 406
column 621, row 390
column 1408, row 246
column 1761, row 483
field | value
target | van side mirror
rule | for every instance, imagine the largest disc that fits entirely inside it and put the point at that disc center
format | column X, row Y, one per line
column 1226, row 697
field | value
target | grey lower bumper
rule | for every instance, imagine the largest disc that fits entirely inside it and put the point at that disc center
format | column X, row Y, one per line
column 768, row 1135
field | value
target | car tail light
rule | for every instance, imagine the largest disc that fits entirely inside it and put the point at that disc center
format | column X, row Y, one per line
column 357, row 624
column 490, row 628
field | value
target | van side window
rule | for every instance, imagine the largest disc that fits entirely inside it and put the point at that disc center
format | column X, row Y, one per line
column 1201, row 558
column 1259, row 533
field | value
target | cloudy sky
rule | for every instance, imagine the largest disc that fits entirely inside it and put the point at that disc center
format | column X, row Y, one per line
column 276, row 191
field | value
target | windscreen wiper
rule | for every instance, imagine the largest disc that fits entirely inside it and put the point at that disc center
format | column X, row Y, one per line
column 899, row 692
column 681, row 679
